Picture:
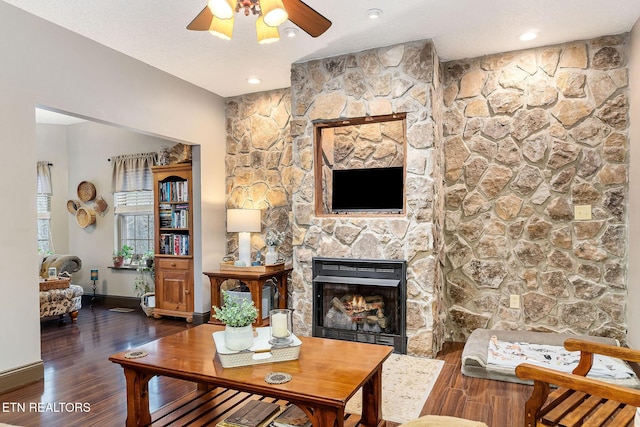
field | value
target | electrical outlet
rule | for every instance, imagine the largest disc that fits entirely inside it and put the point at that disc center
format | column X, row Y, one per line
column 582, row 212
column 514, row 301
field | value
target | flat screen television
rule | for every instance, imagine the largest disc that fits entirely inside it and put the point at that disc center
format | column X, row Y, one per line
column 368, row 190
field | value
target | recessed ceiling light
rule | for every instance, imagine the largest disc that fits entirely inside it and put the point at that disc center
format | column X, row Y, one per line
column 374, row 13
column 529, row 35
column 254, row 80
column 290, row 32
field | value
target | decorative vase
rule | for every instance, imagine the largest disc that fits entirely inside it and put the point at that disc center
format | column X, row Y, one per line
column 238, row 338
column 272, row 256
column 118, row 261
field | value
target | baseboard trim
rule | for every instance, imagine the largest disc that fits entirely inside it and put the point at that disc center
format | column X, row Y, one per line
column 18, row 377
column 111, row 301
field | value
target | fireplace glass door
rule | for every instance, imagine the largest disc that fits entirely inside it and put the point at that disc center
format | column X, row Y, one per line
column 360, row 300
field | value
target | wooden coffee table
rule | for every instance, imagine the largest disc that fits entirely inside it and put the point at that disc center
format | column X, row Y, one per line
column 324, row 377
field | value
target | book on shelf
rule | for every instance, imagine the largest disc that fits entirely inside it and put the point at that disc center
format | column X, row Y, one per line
column 255, row 413
column 174, row 191
column 293, row 416
column 174, row 244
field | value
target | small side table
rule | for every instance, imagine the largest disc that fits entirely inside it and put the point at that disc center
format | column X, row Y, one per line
column 255, row 281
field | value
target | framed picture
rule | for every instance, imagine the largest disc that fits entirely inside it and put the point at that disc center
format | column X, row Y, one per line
column 53, row 273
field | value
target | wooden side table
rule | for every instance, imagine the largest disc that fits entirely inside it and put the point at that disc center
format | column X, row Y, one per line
column 255, row 281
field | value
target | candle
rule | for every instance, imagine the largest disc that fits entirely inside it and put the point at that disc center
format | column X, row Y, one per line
column 279, row 327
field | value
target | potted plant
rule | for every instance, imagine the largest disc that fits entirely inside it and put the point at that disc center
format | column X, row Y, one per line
column 143, row 284
column 118, row 259
column 147, row 258
column 237, row 314
column 120, row 256
column 272, row 240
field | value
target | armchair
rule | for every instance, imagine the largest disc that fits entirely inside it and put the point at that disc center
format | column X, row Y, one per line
column 58, row 302
column 579, row 400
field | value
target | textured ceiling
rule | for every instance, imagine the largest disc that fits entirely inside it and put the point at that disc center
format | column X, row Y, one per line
column 153, row 31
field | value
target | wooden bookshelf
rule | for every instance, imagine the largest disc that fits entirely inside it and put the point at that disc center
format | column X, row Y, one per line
column 173, row 232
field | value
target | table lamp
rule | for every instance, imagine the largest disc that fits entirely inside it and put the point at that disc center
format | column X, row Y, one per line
column 244, row 222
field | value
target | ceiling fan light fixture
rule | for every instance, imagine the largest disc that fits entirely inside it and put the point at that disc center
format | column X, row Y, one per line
column 222, row 28
column 223, row 9
column 266, row 34
column 273, row 12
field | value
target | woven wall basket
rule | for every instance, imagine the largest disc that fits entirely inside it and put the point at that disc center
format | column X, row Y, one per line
column 100, row 205
column 72, row 206
column 86, row 191
column 85, row 217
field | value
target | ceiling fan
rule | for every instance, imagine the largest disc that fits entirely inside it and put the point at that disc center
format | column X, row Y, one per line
column 297, row 12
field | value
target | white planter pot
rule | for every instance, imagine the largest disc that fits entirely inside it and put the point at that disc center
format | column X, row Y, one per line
column 238, row 338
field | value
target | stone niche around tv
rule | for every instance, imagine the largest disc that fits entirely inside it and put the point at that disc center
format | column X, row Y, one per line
column 361, row 166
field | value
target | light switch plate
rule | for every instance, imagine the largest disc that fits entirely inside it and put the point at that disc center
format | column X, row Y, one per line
column 582, row 212
column 514, row 301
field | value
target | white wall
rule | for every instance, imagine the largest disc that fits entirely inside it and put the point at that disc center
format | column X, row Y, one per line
column 633, row 295
column 43, row 64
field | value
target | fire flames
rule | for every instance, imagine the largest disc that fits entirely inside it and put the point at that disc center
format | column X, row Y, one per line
column 357, row 304
column 357, row 309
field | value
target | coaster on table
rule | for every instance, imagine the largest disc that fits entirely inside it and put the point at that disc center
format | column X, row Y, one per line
column 277, row 378
column 135, row 354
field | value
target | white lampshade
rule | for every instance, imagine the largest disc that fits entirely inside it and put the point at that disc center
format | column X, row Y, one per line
column 223, row 9
column 244, row 222
column 273, row 12
column 266, row 34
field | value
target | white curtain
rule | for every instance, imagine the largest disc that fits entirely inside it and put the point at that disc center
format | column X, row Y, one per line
column 44, row 178
column 132, row 172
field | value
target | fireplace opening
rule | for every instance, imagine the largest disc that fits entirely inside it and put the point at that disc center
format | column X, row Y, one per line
column 360, row 300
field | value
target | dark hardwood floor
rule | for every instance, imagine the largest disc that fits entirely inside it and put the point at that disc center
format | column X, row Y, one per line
column 82, row 388
column 496, row 403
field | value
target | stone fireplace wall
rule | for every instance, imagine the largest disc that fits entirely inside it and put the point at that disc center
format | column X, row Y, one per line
column 396, row 79
column 257, row 163
column 528, row 135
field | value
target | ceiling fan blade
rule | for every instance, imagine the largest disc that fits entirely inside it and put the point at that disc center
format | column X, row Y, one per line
column 306, row 18
column 202, row 22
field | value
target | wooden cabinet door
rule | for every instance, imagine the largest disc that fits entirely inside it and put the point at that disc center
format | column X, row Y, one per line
column 174, row 292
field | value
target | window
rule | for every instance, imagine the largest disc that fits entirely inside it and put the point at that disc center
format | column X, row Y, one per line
column 134, row 220
column 43, row 206
column 133, row 201
column 43, row 202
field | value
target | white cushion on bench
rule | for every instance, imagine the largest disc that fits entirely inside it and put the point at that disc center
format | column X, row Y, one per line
column 474, row 354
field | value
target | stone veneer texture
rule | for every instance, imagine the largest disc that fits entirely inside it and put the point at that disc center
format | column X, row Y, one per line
column 528, row 135
column 395, row 79
column 257, row 163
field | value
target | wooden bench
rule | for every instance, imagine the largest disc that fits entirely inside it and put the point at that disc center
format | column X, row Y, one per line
column 580, row 401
